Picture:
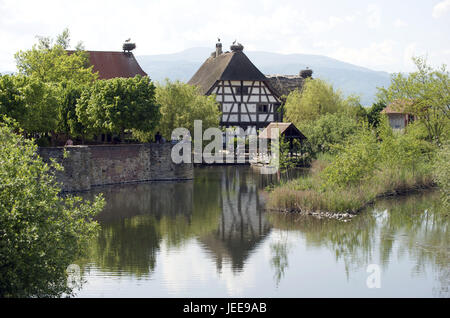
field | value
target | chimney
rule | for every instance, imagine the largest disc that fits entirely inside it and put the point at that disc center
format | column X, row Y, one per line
column 218, row 48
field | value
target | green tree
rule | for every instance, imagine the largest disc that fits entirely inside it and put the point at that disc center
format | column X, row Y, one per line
column 329, row 130
column 51, row 62
column 441, row 171
column 182, row 104
column 31, row 102
column 49, row 70
column 119, row 104
column 356, row 160
column 68, row 121
column 315, row 99
column 353, row 108
column 403, row 150
column 374, row 113
column 12, row 99
column 41, row 232
column 426, row 93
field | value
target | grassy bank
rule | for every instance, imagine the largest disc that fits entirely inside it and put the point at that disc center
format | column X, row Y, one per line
column 309, row 194
column 368, row 165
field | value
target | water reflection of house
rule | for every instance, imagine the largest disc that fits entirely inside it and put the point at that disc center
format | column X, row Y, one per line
column 398, row 117
column 242, row 223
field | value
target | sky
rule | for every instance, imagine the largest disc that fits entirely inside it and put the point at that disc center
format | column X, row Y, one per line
column 380, row 35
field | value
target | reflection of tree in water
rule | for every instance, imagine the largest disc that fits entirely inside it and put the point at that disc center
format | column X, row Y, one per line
column 279, row 262
column 419, row 227
column 351, row 242
column 415, row 225
column 221, row 208
column 242, row 226
column 138, row 217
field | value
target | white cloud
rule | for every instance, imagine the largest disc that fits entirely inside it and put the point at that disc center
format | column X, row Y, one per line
column 284, row 26
column 399, row 23
column 374, row 16
column 441, row 9
column 377, row 55
column 409, row 52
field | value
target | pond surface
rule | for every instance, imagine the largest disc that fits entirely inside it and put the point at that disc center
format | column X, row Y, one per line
column 212, row 238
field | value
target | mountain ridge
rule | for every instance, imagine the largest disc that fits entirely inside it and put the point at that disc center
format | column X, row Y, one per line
column 349, row 78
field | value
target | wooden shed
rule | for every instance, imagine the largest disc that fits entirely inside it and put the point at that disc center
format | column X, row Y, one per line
column 287, row 130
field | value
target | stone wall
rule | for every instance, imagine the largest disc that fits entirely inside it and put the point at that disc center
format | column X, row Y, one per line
column 86, row 167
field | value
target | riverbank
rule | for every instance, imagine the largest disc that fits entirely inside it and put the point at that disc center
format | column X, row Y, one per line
column 309, row 195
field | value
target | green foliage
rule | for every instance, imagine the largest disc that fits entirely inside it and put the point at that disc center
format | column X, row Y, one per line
column 12, row 99
column 68, row 121
column 118, row 104
column 286, row 161
column 41, row 96
column 31, row 102
column 441, row 172
column 182, row 104
column 363, row 154
column 406, row 150
column 329, row 130
column 49, row 62
column 356, row 160
column 316, row 98
column 41, row 232
column 425, row 94
column 374, row 114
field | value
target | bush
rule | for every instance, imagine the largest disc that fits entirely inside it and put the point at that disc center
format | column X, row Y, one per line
column 356, row 161
column 41, row 232
column 441, row 171
column 329, row 130
column 43, row 142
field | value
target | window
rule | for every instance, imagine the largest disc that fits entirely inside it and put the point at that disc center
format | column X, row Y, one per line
column 241, row 90
column 263, row 108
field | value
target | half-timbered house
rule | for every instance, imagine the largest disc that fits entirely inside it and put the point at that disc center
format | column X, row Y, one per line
column 245, row 95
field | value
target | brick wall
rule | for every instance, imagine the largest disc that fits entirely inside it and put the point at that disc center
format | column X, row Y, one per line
column 92, row 166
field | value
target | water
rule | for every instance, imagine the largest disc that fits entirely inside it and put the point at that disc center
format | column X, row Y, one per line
column 212, row 238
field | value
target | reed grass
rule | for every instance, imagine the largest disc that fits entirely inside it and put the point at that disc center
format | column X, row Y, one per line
column 308, row 193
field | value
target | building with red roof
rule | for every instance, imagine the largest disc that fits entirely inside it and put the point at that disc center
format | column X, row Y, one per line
column 113, row 64
column 398, row 117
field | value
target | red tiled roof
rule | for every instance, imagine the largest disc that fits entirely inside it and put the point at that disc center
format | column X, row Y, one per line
column 114, row 64
column 397, row 107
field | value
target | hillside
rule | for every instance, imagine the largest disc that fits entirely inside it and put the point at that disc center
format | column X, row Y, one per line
column 351, row 79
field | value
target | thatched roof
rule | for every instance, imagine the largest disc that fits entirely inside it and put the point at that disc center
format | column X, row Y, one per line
column 230, row 66
column 285, row 84
column 287, row 130
column 397, row 107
